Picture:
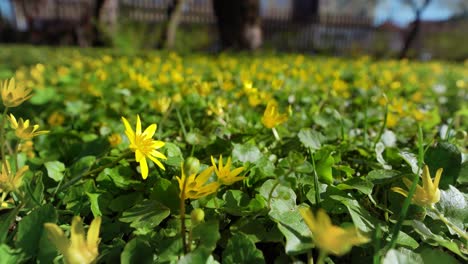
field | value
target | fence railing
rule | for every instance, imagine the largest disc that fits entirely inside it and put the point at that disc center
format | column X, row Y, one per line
column 332, row 32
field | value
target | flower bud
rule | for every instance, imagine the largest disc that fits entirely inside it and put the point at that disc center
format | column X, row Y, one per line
column 191, row 166
column 197, row 216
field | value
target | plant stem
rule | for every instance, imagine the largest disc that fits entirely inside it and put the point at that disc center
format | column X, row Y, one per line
column 181, row 122
column 455, row 228
column 98, row 169
column 270, row 195
column 384, row 125
column 275, row 133
column 310, row 259
column 321, row 257
column 316, row 181
column 182, row 214
column 2, row 137
column 412, row 190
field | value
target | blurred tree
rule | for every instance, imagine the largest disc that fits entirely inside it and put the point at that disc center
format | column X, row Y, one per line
column 98, row 39
column 418, row 8
column 238, row 23
column 305, row 10
column 169, row 30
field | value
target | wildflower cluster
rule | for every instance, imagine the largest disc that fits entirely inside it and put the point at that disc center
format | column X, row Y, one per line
column 179, row 158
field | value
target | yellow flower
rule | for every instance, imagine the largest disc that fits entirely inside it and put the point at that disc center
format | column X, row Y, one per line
column 161, row 104
column 114, row 139
column 27, row 147
column 144, row 145
column 77, row 250
column 271, row 116
column 194, row 187
column 426, row 195
column 23, row 130
column 224, row 173
column 328, row 237
column 9, row 181
column 12, row 95
column 56, row 119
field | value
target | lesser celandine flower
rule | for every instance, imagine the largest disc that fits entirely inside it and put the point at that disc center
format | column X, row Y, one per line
column 114, row 139
column 271, row 116
column 79, row 249
column 144, row 145
column 56, row 119
column 23, row 130
column 328, row 237
column 11, row 181
column 426, row 195
column 224, row 173
column 13, row 95
column 195, row 186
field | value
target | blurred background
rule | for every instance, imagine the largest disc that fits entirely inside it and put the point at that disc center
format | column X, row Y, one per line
column 418, row 29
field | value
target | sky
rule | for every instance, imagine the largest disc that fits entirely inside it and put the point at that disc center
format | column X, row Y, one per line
column 402, row 14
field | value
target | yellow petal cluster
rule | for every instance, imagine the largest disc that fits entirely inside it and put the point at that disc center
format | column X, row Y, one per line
column 79, row 249
column 271, row 116
column 13, row 95
column 195, row 186
column 224, row 173
column 11, row 181
column 328, row 237
column 23, row 129
column 144, row 145
column 426, row 195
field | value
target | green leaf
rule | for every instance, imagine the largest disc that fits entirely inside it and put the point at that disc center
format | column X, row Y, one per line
column 429, row 237
column 167, row 193
column 240, row 204
column 436, row 256
column 146, row 214
column 240, row 249
column 357, row 183
column 361, row 217
column 6, row 219
column 405, row 240
column 206, row 235
column 402, row 256
column 173, row 154
column 296, row 232
column 31, row 228
column 43, row 96
column 55, row 170
column 94, row 199
column 463, row 175
column 199, row 255
column 246, row 152
column 289, row 221
column 137, row 250
column 311, row 138
column 11, row 256
column 123, row 202
column 120, row 177
column 383, row 176
column 82, row 165
column 454, row 206
column 447, row 156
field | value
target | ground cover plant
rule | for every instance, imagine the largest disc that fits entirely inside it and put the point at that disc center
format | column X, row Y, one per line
column 160, row 158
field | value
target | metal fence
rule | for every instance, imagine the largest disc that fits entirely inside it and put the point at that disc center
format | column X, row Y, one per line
column 280, row 31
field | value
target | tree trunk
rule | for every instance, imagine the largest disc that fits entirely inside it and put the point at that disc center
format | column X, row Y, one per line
column 411, row 36
column 98, row 40
column 169, row 30
column 238, row 23
column 305, row 11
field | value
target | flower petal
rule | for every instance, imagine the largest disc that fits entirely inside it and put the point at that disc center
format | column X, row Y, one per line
column 138, row 126
column 144, row 168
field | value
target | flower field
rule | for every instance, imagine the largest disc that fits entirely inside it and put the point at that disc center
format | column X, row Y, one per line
column 265, row 158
